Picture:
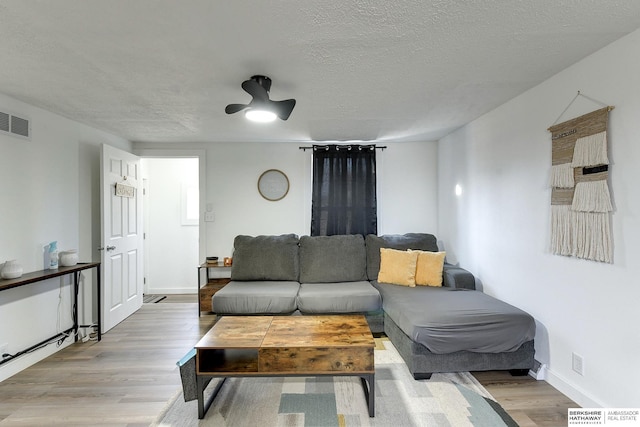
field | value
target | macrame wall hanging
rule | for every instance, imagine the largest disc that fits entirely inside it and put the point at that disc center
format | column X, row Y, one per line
column 580, row 198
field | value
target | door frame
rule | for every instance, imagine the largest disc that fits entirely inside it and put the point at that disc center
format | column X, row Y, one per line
column 201, row 155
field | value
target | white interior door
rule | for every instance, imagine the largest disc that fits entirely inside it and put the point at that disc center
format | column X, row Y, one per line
column 121, row 215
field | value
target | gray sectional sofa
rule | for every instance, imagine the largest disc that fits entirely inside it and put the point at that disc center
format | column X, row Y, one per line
column 435, row 329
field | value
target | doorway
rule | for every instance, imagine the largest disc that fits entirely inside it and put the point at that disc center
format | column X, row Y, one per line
column 171, row 225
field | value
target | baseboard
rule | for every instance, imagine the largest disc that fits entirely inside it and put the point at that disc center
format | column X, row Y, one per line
column 12, row 367
column 581, row 397
column 171, row 291
column 539, row 371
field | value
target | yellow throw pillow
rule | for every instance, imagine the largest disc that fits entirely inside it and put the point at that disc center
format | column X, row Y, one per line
column 398, row 267
column 429, row 268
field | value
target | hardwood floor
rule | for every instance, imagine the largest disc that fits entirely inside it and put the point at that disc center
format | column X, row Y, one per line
column 128, row 377
column 125, row 379
column 528, row 401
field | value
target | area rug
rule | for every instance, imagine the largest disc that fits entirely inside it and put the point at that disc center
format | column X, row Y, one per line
column 444, row 400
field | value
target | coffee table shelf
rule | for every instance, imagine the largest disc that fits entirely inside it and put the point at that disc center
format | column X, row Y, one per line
column 228, row 361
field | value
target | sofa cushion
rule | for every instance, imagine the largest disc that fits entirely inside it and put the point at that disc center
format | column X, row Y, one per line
column 344, row 297
column 266, row 258
column 429, row 268
column 328, row 259
column 256, row 297
column 447, row 320
column 398, row 267
column 419, row 241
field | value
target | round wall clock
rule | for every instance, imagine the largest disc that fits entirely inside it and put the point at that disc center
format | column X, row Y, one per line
column 273, row 185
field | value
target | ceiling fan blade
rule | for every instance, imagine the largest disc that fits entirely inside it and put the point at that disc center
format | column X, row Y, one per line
column 284, row 108
column 254, row 89
column 234, row 108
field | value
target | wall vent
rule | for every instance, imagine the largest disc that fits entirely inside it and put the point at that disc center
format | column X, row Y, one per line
column 4, row 122
column 14, row 125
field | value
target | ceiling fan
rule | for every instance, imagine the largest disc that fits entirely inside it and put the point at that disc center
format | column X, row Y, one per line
column 261, row 108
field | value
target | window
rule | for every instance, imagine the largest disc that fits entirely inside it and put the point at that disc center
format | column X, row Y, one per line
column 190, row 206
column 344, row 190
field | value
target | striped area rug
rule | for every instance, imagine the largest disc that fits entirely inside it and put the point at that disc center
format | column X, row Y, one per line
column 444, row 400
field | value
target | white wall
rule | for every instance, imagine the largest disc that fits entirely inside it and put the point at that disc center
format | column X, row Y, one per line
column 50, row 191
column 499, row 227
column 233, row 170
column 171, row 247
column 407, row 189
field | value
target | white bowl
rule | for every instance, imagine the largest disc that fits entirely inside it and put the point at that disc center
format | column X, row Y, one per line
column 68, row 258
column 11, row 270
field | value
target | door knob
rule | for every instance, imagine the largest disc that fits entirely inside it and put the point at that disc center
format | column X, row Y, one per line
column 108, row 248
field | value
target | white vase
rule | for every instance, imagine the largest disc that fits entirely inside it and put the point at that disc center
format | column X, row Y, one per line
column 67, row 258
column 11, row 270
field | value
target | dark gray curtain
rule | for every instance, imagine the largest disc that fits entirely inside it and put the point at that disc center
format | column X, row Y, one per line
column 344, row 190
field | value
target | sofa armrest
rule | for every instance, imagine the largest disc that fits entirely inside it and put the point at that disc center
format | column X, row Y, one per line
column 456, row 277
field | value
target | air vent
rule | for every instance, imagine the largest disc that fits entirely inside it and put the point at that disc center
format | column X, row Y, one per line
column 14, row 125
column 4, row 122
column 20, row 126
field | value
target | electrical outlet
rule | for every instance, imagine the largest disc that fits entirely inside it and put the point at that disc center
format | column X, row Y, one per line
column 3, row 348
column 577, row 364
column 209, row 217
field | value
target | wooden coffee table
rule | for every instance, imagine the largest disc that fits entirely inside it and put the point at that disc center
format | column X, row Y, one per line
column 258, row 346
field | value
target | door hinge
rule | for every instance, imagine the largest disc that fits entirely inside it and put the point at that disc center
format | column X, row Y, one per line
column 144, row 236
column 144, row 280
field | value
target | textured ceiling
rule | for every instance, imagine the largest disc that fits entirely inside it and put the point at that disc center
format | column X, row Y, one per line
column 402, row 70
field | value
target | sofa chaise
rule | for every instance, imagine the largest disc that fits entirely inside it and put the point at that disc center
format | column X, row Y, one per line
column 446, row 327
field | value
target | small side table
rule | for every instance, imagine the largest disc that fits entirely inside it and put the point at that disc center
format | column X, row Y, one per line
column 212, row 285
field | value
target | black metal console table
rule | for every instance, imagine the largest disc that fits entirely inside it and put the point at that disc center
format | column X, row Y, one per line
column 39, row 276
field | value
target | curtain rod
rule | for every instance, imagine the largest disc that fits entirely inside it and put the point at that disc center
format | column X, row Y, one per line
column 377, row 147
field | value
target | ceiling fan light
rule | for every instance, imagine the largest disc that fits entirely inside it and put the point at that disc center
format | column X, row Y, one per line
column 262, row 116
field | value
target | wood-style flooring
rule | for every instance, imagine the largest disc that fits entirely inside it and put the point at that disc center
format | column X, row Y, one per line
column 127, row 378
